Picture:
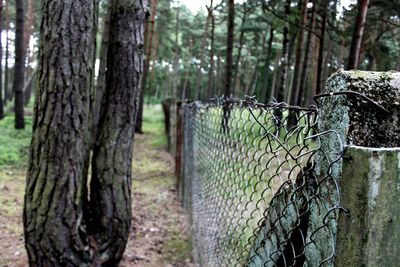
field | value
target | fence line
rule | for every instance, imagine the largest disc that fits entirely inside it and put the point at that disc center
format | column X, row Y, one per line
column 259, row 182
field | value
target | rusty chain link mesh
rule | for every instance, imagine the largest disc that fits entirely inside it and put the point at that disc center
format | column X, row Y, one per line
column 260, row 184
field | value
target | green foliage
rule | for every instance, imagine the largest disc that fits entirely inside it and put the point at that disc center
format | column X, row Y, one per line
column 153, row 123
column 14, row 144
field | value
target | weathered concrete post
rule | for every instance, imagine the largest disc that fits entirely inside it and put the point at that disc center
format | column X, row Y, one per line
column 364, row 110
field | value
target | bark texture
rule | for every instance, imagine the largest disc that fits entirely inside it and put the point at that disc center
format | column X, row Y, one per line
column 19, row 68
column 112, row 155
column 55, row 232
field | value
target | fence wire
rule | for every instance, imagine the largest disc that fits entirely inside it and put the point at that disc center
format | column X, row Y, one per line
column 260, row 184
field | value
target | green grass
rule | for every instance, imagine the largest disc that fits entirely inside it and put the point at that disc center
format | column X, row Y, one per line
column 14, row 144
column 153, row 123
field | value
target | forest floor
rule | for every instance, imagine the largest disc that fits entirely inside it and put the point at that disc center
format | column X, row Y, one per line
column 159, row 231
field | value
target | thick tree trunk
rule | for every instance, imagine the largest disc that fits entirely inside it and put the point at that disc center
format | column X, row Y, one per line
column 295, row 96
column 148, row 49
column 1, row 64
column 267, row 90
column 354, row 56
column 110, row 192
column 55, row 231
column 19, row 69
column 101, row 77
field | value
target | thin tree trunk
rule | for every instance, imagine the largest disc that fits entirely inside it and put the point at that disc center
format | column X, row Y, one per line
column 354, row 56
column 1, row 64
column 101, row 77
column 228, row 63
column 19, row 69
column 321, row 48
column 28, row 25
column 210, row 87
column 198, row 82
column 295, row 96
column 7, row 91
column 253, row 78
column 54, row 228
column 229, row 48
column 149, row 49
column 266, row 88
column 307, row 58
column 285, row 55
column 239, row 54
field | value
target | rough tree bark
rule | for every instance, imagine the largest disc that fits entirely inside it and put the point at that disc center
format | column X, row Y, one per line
column 61, row 227
column 110, row 192
column 358, row 32
column 19, row 68
column 55, row 234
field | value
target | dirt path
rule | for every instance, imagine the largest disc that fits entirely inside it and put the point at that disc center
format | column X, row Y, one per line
column 159, row 227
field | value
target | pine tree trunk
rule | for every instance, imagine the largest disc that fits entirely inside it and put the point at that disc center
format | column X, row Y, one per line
column 267, row 90
column 110, row 191
column 149, row 50
column 54, row 225
column 295, row 96
column 239, row 54
column 285, row 55
column 7, row 91
column 199, row 74
column 101, row 77
column 19, row 69
column 1, row 64
column 321, row 48
column 355, row 49
column 210, row 87
column 307, row 58
column 229, row 48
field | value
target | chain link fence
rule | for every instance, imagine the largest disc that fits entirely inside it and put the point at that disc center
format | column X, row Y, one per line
column 260, row 184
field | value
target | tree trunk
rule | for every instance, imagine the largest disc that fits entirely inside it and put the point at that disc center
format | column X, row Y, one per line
column 229, row 48
column 267, row 89
column 199, row 74
column 110, row 192
column 148, row 49
column 358, row 32
column 210, row 87
column 54, row 225
column 239, row 54
column 253, row 78
column 284, row 62
column 321, row 48
column 101, row 77
column 1, row 64
column 7, row 91
column 28, row 25
column 19, row 69
column 307, row 58
column 295, row 96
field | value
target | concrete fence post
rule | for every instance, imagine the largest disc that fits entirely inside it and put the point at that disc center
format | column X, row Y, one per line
column 364, row 110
